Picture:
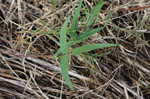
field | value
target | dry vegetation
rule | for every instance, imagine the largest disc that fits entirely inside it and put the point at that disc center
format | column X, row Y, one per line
column 29, row 38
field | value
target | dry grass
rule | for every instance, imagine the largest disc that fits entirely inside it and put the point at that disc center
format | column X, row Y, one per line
column 29, row 39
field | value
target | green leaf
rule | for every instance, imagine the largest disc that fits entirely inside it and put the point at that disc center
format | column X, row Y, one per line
column 54, row 2
column 64, row 69
column 75, row 20
column 89, row 33
column 63, row 38
column 94, row 12
column 64, row 60
column 84, row 36
column 57, row 53
column 76, row 16
column 90, row 47
column 63, row 32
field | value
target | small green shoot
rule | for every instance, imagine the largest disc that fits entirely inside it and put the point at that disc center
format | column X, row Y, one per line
column 64, row 51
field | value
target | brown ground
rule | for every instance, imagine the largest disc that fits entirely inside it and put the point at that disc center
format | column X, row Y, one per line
column 28, row 30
